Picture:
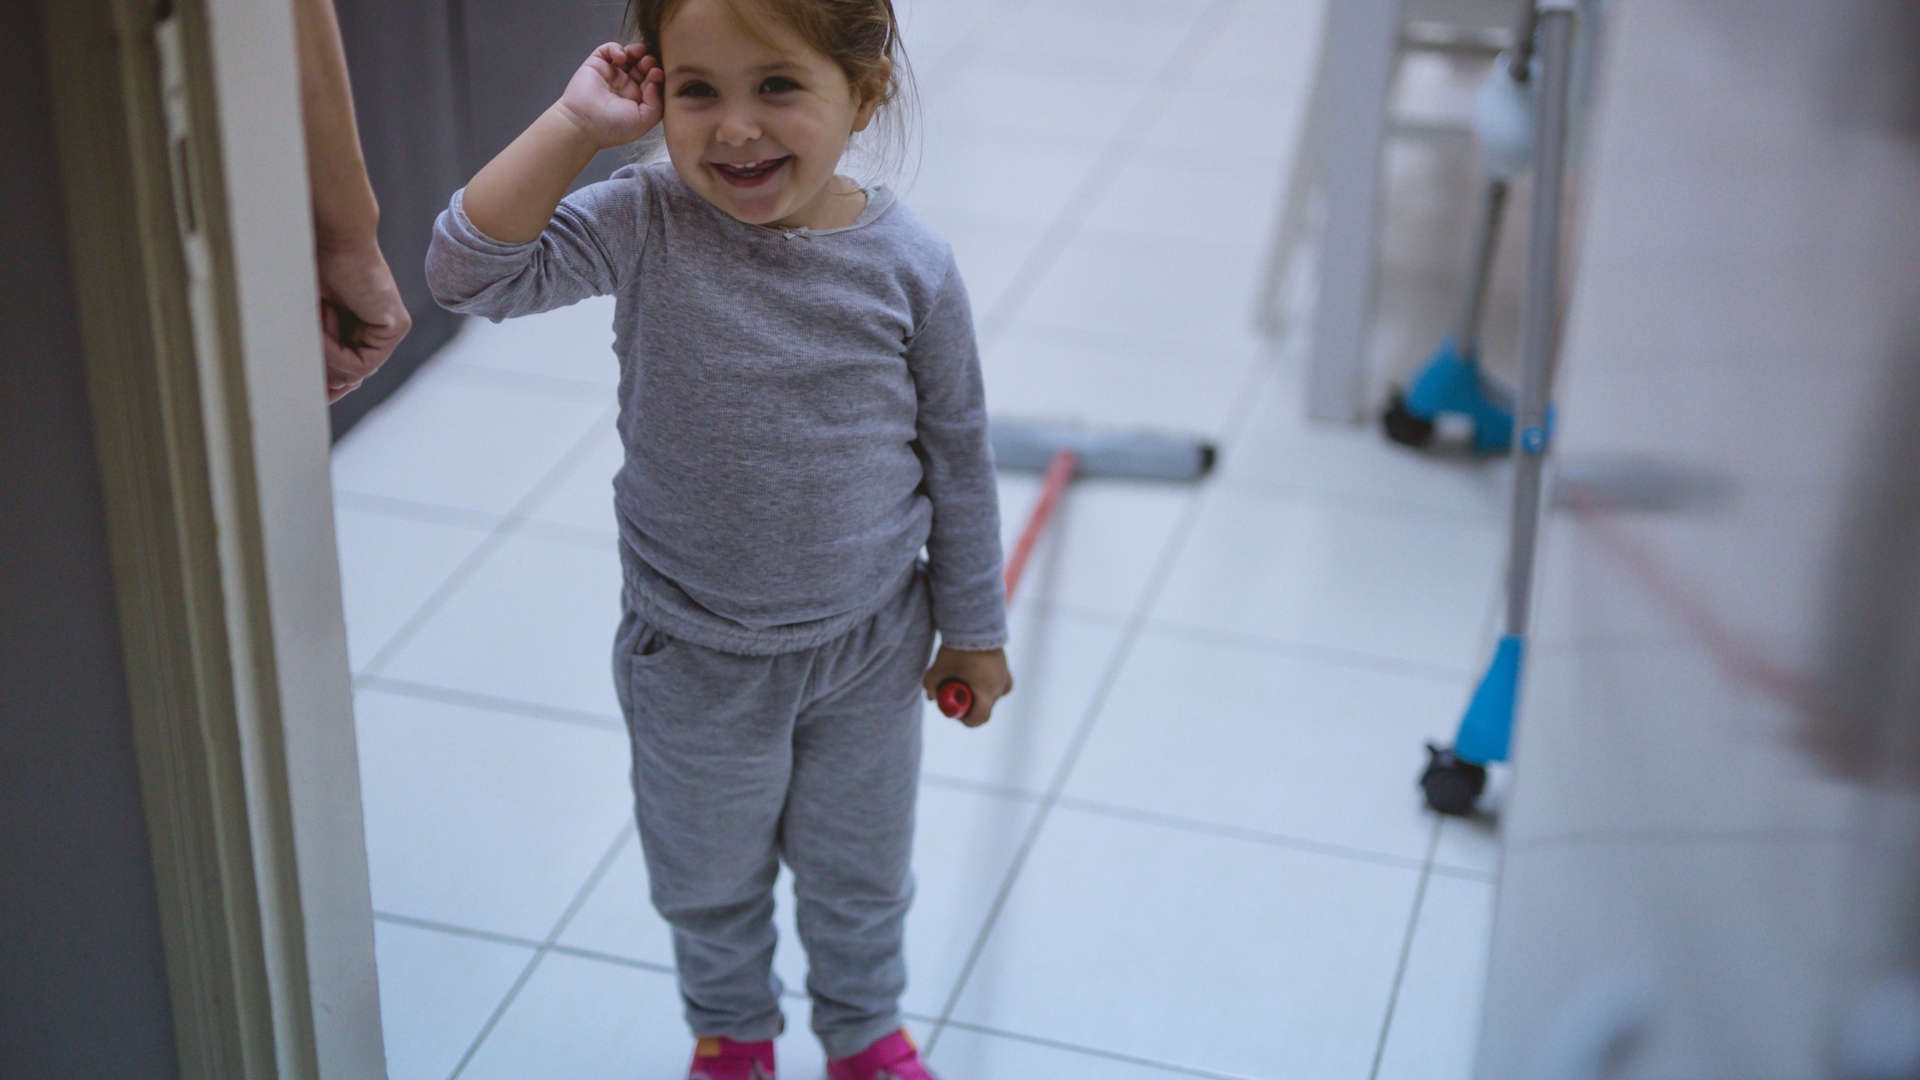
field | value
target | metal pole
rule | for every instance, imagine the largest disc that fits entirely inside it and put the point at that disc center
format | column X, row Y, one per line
column 1540, row 321
column 1521, row 66
column 1486, row 237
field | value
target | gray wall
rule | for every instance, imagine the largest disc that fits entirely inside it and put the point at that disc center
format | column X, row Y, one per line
column 440, row 86
column 83, row 989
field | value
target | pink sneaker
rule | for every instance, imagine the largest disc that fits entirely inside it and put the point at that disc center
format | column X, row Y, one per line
column 892, row 1058
column 716, row 1057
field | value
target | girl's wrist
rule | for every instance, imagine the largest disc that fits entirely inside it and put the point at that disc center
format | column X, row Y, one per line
column 570, row 125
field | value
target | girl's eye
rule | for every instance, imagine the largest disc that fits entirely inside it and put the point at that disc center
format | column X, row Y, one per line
column 778, row 84
column 695, row 89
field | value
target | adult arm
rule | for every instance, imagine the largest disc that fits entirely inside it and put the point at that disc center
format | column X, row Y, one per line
column 362, row 316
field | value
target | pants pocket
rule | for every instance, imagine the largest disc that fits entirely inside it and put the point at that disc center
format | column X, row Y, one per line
column 636, row 645
column 650, row 644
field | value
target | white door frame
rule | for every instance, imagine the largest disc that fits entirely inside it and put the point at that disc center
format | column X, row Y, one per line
column 184, row 172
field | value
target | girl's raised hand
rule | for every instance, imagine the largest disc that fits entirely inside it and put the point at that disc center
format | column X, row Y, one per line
column 615, row 96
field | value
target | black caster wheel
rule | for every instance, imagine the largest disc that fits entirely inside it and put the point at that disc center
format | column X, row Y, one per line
column 1402, row 426
column 1452, row 786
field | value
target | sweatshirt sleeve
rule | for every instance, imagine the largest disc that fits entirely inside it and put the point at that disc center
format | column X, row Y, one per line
column 963, row 550
column 588, row 249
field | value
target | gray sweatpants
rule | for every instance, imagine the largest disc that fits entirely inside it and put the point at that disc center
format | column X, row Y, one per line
column 811, row 756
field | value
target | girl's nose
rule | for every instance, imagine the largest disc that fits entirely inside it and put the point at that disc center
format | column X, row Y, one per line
column 737, row 128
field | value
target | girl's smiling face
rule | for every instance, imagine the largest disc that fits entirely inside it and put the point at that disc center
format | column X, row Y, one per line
column 756, row 120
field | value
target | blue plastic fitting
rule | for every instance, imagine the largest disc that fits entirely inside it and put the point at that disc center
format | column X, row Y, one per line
column 1452, row 382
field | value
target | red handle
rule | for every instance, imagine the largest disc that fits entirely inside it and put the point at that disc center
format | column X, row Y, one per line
column 955, row 698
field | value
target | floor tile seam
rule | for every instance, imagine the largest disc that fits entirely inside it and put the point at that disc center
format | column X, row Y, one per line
column 531, row 710
column 1190, row 400
column 1252, row 164
column 546, row 947
column 553, row 387
column 983, row 131
column 1272, row 161
column 499, row 1010
column 1092, row 66
column 1099, row 176
column 1110, row 675
column 949, row 782
column 1406, row 953
column 578, row 952
column 1157, row 236
column 455, row 579
column 1242, row 833
column 1158, row 341
column 1465, row 873
column 999, row 60
column 1033, row 604
column 1050, row 609
column 1325, row 654
column 1094, row 1051
column 1025, row 224
column 561, row 532
column 628, row 831
column 414, row 510
column 1489, row 520
column 1041, row 335
column 961, row 50
column 1052, row 333
column 1121, row 236
column 454, row 929
column 1678, row 838
column 478, row 557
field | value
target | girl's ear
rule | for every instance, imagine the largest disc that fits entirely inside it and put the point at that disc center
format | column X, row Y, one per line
column 873, row 94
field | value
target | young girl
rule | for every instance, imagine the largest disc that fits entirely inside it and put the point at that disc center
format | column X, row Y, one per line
column 801, row 407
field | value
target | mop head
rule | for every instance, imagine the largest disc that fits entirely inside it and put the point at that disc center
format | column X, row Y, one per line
column 1131, row 455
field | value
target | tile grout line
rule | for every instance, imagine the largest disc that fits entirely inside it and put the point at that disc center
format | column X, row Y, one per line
column 1379, row 506
column 970, row 42
column 1094, row 1051
column 1206, row 828
column 501, row 532
column 1232, row 832
column 1046, row 252
column 944, row 63
column 579, row 900
column 455, row 929
column 1406, row 951
column 1129, row 636
column 413, row 510
column 1321, row 654
column 492, row 703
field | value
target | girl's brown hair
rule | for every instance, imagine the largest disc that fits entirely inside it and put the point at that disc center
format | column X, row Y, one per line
column 862, row 36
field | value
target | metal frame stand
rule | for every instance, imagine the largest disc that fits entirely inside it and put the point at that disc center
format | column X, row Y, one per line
column 1456, row 776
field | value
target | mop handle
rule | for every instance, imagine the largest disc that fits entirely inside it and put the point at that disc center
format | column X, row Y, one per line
column 956, row 697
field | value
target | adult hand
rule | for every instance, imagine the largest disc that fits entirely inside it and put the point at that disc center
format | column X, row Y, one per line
column 615, row 96
column 984, row 671
column 362, row 316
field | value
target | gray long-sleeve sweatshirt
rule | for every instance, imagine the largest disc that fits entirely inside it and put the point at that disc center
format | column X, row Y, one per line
column 802, row 410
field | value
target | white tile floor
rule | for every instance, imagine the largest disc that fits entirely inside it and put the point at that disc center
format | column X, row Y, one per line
column 1189, row 845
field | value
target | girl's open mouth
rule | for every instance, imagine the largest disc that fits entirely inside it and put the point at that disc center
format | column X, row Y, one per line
column 752, row 173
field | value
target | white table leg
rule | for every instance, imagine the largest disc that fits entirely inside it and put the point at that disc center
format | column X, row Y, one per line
column 1362, row 42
